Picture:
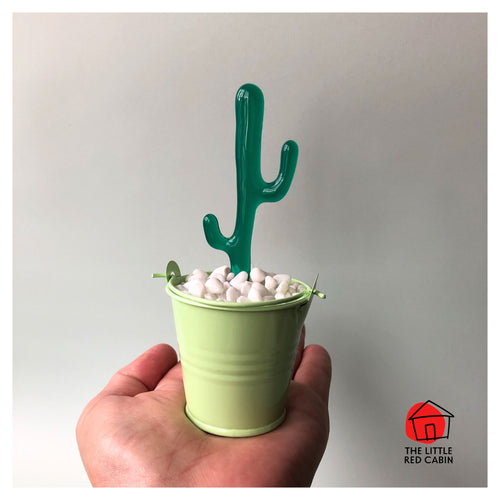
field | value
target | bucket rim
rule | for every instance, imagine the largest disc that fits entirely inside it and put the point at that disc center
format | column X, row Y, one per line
column 297, row 299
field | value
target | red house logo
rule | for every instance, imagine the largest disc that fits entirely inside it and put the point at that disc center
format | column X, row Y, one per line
column 426, row 422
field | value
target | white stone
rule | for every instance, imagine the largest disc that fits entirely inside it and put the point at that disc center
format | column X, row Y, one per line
column 257, row 275
column 260, row 288
column 270, row 283
column 213, row 285
column 245, row 288
column 282, row 277
column 223, row 286
column 283, row 287
column 196, row 288
column 198, row 274
column 223, row 270
column 239, row 278
column 218, row 276
column 232, row 294
column 254, row 295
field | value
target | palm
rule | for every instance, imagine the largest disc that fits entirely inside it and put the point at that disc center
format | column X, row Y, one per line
column 146, row 439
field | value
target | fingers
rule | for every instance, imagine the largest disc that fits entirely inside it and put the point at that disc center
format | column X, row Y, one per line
column 315, row 370
column 174, row 374
column 143, row 373
column 300, row 348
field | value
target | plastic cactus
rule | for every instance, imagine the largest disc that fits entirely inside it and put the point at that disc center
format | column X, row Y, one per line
column 252, row 190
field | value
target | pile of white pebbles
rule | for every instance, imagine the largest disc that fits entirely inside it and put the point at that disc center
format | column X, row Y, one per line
column 223, row 286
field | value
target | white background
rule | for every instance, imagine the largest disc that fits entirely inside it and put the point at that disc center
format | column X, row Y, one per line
column 124, row 140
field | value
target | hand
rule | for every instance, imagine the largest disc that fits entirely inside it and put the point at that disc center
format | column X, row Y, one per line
column 135, row 432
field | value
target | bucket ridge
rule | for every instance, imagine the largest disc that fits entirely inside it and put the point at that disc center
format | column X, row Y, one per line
column 235, row 372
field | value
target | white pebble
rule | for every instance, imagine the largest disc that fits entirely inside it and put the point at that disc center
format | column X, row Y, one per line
column 257, row 275
column 223, row 270
column 232, row 294
column 223, row 286
column 213, row 285
column 239, row 278
column 260, row 288
column 196, row 288
column 270, row 283
column 254, row 295
column 218, row 276
column 245, row 288
column 282, row 277
column 200, row 272
column 283, row 287
column 236, row 285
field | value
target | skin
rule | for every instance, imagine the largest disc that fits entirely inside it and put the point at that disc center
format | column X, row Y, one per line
column 135, row 432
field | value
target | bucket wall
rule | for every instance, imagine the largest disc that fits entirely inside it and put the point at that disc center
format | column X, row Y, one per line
column 237, row 363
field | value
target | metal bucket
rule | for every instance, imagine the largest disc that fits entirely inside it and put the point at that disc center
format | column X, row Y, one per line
column 236, row 358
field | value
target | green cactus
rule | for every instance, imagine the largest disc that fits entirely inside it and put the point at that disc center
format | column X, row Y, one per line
column 252, row 190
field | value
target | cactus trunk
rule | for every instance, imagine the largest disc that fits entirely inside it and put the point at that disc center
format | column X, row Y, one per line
column 252, row 190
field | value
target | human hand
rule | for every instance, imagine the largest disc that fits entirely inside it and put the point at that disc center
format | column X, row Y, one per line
column 135, row 431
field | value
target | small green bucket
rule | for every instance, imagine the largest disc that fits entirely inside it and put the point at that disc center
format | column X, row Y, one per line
column 236, row 358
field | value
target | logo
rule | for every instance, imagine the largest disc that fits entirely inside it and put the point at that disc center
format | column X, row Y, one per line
column 427, row 422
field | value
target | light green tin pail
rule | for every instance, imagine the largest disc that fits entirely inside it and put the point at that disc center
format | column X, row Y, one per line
column 236, row 359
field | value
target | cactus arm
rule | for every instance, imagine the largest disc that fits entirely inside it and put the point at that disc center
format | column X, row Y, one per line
column 276, row 190
column 237, row 247
column 213, row 234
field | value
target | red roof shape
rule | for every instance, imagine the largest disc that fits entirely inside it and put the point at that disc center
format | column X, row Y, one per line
column 424, row 412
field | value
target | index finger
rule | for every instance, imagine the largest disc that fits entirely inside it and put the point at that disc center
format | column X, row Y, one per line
column 315, row 370
column 142, row 374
